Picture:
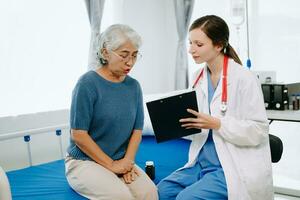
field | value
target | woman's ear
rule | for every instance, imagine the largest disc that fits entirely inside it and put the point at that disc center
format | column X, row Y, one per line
column 105, row 53
column 219, row 47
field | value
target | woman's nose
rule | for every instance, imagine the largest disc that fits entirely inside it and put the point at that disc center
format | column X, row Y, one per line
column 130, row 62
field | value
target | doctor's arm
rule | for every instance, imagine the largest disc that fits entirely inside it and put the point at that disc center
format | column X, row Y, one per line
column 250, row 129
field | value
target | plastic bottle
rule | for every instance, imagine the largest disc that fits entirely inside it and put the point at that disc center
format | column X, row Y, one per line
column 150, row 169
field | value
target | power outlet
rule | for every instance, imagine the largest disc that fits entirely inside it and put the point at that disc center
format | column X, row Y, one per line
column 266, row 76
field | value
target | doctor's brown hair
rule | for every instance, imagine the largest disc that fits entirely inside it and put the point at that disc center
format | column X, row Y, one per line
column 217, row 30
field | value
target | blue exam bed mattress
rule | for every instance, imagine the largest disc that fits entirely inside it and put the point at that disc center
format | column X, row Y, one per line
column 48, row 181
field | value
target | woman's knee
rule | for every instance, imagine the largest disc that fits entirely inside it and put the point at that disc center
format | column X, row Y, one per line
column 148, row 191
column 120, row 195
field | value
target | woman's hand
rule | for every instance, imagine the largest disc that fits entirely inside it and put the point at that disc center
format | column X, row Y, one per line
column 129, row 177
column 122, row 166
column 202, row 121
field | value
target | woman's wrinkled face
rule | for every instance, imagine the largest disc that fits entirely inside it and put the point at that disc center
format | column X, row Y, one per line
column 201, row 46
column 122, row 59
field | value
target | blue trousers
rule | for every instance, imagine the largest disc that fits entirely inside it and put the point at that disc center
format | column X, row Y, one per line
column 194, row 183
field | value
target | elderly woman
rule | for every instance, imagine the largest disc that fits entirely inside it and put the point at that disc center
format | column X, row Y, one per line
column 106, row 124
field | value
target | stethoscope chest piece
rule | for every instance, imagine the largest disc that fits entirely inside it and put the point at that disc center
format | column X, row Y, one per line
column 223, row 108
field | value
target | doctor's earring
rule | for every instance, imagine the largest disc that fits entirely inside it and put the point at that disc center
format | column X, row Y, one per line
column 225, row 50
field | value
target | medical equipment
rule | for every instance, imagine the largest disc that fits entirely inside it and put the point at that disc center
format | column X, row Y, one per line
column 237, row 18
column 275, row 96
column 223, row 106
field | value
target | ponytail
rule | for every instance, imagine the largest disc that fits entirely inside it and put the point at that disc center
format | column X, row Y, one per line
column 230, row 52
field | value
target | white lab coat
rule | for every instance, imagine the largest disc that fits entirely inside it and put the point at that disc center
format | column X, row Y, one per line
column 242, row 141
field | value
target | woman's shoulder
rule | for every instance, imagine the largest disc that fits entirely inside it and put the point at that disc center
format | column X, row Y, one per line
column 242, row 75
column 241, row 72
column 132, row 81
column 88, row 77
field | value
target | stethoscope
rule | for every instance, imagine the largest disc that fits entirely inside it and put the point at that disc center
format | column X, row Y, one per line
column 223, row 106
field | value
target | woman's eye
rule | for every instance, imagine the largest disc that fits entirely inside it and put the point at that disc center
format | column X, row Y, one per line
column 199, row 45
column 124, row 56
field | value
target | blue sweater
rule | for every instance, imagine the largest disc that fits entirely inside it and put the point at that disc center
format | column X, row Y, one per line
column 108, row 111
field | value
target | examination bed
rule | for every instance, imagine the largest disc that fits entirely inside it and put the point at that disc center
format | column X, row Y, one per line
column 48, row 181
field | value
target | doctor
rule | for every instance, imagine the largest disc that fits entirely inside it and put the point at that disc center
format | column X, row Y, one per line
column 230, row 158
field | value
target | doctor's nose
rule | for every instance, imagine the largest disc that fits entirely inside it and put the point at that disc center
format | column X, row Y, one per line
column 191, row 50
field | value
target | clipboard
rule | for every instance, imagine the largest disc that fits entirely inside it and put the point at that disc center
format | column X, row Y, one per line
column 165, row 114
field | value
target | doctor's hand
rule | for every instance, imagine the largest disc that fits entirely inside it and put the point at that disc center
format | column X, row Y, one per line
column 202, row 121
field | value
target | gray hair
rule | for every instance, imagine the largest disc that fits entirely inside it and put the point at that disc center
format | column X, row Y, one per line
column 114, row 36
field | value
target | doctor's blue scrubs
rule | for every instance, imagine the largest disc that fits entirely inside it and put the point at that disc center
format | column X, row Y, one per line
column 204, row 180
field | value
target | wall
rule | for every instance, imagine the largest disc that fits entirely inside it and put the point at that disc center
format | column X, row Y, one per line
column 275, row 38
column 155, row 21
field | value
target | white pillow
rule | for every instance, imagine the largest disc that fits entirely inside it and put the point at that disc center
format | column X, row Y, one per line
column 148, row 129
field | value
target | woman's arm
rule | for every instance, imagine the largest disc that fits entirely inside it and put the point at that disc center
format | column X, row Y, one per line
column 90, row 148
column 132, row 148
column 133, row 145
column 136, row 135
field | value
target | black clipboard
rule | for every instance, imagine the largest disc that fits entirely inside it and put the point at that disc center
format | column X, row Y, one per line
column 165, row 114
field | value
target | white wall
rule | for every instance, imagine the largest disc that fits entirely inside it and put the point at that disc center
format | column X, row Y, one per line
column 155, row 21
column 275, row 38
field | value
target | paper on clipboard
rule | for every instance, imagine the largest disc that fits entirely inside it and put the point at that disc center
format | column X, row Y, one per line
column 165, row 114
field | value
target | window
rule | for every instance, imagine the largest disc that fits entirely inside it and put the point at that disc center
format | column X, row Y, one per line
column 44, row 50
